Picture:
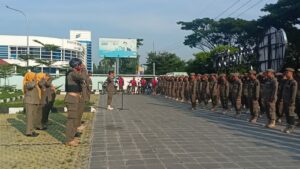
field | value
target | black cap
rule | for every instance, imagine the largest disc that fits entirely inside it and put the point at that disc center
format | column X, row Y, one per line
column 74, row 62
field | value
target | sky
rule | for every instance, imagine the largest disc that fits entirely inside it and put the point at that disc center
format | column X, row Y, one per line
column 155, row 21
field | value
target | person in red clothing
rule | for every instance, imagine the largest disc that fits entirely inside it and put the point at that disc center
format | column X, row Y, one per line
column 133, row 85
column 121, row 83
column 143, row 85
column 154, row 84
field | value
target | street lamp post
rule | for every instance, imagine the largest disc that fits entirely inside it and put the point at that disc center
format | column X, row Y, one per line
column 27, row 25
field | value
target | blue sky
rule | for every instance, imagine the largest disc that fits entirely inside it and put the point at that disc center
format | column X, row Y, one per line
column 152, row 20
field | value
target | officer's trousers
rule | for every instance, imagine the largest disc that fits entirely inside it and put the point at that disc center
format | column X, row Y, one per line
column 254, row 107
column 72, row 120
column 289, row 111
column 31, row 111
column 109, row 98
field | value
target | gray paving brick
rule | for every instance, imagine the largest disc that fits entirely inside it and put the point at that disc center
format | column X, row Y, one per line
column 157, row 133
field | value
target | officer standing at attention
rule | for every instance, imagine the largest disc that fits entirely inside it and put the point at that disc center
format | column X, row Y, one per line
column 187, row 89
column 289, row 93
column 205, row 89
column 279, row 103
column 85, row 98
column 110, row 89
column 199, row 84
column 73, row 98
column 253, row 96
column 224, row 92
column 32, row 99
column 269, row 97
column 236, row 93
column 213, row 90
column 193, row 90
column 297, row 78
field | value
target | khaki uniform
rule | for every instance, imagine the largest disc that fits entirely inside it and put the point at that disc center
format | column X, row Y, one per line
column 47, row 99
column 279, row 102
column 236, row 95
column 205, row 91
column 261, row 93
column 269, row 97
column 32, row 103
column 73, row 99
column 178, row 89
column 298, row 97
column 289, row 93
column 182, row 89
column 199, row 87
column 213, row 90
column 245, row 97
column 224, row 93
column 187, row 90
column 174, row 88
column 253, row 93
column 193, row 92
column 110, row 90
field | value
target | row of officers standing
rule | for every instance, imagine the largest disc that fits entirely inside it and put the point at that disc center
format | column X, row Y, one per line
column 39, row 97
column 274, row 94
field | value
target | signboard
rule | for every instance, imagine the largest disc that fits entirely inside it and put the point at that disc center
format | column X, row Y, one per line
column 272, row 49
column 117, row 48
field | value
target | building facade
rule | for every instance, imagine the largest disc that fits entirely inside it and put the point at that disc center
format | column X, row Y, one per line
column 14, row 48
column 85, row 38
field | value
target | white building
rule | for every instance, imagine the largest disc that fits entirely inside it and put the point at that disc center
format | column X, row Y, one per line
column 13, row 47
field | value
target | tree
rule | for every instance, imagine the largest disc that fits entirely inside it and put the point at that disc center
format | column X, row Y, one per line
column 164, row 62
column 208, row 34
column 6, row 70
column 47, row 47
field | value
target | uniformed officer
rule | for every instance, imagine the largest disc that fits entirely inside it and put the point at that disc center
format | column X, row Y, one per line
column 199, row 86
column 110, row 89
column 213, row 90
column 174, row 88
column 297, row 78
column 41, row 80
column 224, row 92
column 279, row 103
column 178, row 88
column 187, row 89
column 262, row 79
column 47, row 99
column 269, row 97
column 193, row 90
column 182, row 89
column 73, row 98
column 253, row 96
column 205, row 89
column 245, row 96
column 236, row 93
column 85, row 99
column 289, row 94
column 32, row 96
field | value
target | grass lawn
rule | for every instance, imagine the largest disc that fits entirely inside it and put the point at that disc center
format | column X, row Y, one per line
column 46, row 151
column 6, row 94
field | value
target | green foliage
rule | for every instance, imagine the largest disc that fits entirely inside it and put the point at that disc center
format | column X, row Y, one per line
column 208, row 34
column 9, row 93
column 6, row 70
column 164, row 62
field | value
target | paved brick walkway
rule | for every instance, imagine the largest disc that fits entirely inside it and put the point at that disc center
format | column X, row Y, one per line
column 156, row 133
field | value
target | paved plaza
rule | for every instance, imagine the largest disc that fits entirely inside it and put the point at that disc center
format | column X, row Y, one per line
column 158, row 133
